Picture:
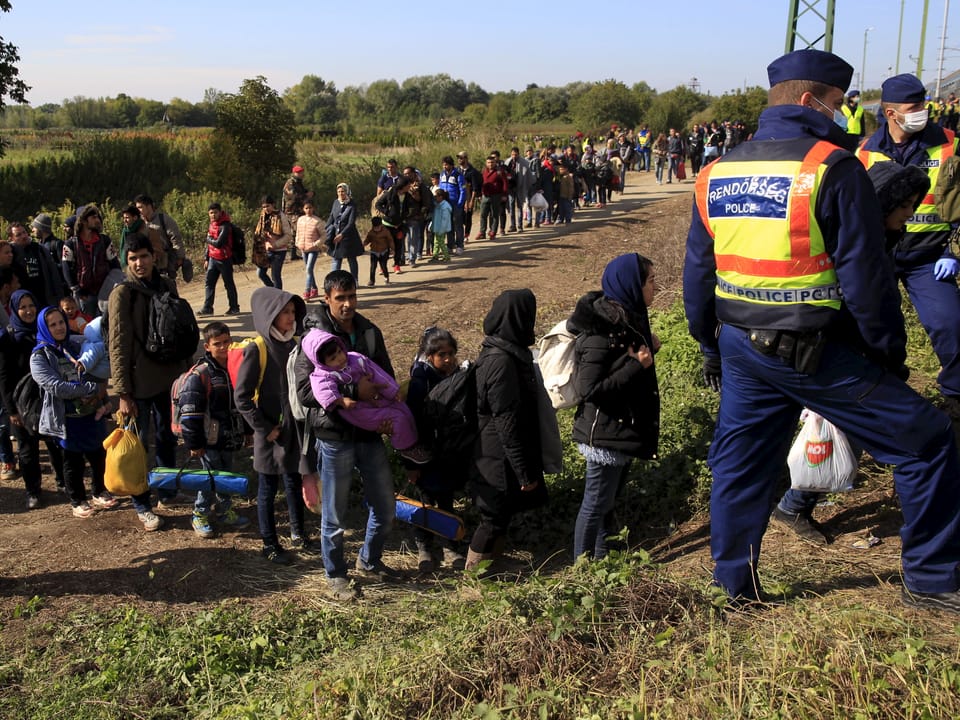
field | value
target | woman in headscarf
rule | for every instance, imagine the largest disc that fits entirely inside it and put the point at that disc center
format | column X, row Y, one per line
column 343, row 238
column 507, row 452
column 618, row 418
column 72, row 409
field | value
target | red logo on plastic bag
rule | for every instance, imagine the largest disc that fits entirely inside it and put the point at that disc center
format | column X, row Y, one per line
column 818, row 452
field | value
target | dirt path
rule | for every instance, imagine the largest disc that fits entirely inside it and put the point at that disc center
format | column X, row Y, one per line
column 109, row 558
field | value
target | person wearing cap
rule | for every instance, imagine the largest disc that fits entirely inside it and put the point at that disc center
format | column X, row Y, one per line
column 792, row 298
column 922, row 259
column 853, row 111
column 42, row 230
column 455, row 185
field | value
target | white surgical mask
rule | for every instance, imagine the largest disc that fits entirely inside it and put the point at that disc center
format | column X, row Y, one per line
column 838, row 117
column 914, row 121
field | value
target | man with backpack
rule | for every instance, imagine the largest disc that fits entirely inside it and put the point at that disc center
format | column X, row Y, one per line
column 140, row 377
column 218, row 261
column 161, row 224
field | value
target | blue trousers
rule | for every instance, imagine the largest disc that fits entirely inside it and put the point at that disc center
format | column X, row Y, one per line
column 937, row 303
column 596, row 517
column 761, row 399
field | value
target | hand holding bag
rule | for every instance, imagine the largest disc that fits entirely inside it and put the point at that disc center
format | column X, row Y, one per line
column 126, row 464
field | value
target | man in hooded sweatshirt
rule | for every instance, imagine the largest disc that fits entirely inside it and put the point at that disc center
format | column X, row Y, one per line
column 261, row 397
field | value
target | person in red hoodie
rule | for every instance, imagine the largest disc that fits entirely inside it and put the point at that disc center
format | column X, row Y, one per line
column 218, row 261
column 493, row 189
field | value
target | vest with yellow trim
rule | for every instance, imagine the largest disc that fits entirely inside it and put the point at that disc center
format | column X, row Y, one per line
column 925, row 221
column 759, row 204
column 854, row 118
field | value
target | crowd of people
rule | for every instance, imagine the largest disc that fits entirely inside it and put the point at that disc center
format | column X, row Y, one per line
column 801, row 311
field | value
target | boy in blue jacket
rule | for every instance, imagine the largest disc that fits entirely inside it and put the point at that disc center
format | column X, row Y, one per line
column 211, row 425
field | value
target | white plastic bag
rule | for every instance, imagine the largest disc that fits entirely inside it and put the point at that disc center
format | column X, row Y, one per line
column 538, row 202
column 821, row 459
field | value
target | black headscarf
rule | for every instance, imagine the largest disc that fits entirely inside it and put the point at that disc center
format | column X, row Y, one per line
column 512, row 317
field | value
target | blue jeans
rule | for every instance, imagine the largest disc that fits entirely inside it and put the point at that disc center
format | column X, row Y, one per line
column 455, row 236
column 214, row 460
column 215, row 270
column 266, row 493
column 761, row 399
column 156, row 410
column 337, row 459
column 658, row 168
column 414, row 241
column 351, row 262
column 6, row 447
column 595, row 519
column 645, row 159
column 276, row 258
column 309, row 261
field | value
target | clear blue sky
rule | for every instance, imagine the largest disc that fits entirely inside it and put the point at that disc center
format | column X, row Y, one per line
column 176, row 48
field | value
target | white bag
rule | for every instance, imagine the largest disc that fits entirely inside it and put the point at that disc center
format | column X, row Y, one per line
column 557, row 358
column 821, row 459
column 538, row 202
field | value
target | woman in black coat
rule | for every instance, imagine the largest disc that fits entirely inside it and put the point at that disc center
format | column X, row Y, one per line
column 507, row 453
column 619, row 417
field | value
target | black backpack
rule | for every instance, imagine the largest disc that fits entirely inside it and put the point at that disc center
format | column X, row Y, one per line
column 450, row 410
column 172, row 330
column 238, row 244
column 604, row 172
column 29, row 401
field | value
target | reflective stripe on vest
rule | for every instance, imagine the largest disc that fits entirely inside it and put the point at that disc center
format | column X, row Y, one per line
column 925, row 218
column 767, row 244
column 854, row 118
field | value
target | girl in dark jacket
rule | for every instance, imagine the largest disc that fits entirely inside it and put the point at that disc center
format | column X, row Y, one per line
column 507, row 453
column 619, row 416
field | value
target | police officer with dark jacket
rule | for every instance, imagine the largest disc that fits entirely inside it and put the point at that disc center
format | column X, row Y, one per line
column 784, row 263
column 922, row 259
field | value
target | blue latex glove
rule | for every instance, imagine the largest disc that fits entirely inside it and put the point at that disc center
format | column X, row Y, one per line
column 946, row 267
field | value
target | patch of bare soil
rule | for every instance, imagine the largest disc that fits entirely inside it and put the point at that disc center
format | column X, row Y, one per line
column 109, row 560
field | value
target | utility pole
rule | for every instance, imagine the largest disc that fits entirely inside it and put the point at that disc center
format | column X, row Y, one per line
column 923, row 39
column 943, row 42
column 822, row 23
column 899, row 37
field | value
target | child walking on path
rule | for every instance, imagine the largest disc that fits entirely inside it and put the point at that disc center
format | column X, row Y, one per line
column 261, row 396
column 379, row 240
column 334, row 365
column 212, row 426
column 442, row 225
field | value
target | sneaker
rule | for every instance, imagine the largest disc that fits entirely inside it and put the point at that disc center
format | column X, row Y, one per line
column 204, row 312
column 233, row 311
column 396, row 268
column 33, row 502
column 478, row 236
column 342, row 590
column 417, row 454
column 8, row 471
column 491, row 234
column 303, row 545
column 371, row 284
column 83, row 510
column 232, row 519
column 177, row 501
column 949, row 601
column 103, row 501
column 150, row 521
column 453, row 559
column 201, row 525
column 379, row 572
column 804, row 526
column 425, row 562
column 276, row 554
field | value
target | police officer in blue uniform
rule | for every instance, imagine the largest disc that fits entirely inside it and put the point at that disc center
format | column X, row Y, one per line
column 922, row 258
column 794, row 302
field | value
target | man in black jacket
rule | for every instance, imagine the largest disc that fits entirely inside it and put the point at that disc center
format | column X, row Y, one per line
column 343, row 447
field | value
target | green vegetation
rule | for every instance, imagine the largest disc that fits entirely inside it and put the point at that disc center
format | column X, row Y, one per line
column 619, row 639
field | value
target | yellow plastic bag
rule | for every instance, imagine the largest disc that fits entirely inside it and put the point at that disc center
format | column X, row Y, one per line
column 126, row 471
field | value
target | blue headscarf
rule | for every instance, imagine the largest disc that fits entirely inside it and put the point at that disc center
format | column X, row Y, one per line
column 44, row 337
column 20, row 328
column 623, row 280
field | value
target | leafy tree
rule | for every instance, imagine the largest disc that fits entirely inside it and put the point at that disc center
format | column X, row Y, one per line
column 122, row 111
column 498, row 110
column 313, row 101
column 645, row 96
column 384, row 99
column 352, row 105
column 260, row 129
column 11, row 86
column 151, row 113
column 540, row 104
column 738, row 105
column 674, row 108
column 606, row 102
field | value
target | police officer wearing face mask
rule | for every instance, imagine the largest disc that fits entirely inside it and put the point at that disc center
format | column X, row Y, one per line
column 788, row 290
column 922, row 259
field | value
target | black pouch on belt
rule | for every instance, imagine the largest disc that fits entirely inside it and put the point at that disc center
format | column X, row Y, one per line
column 765, row 342
column 809, row 351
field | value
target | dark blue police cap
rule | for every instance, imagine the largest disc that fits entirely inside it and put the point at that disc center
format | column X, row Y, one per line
column 904, row 88
column 814, row 65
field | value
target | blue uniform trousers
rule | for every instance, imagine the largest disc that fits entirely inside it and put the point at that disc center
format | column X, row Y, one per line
column 761, row 399
column 937, row 303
